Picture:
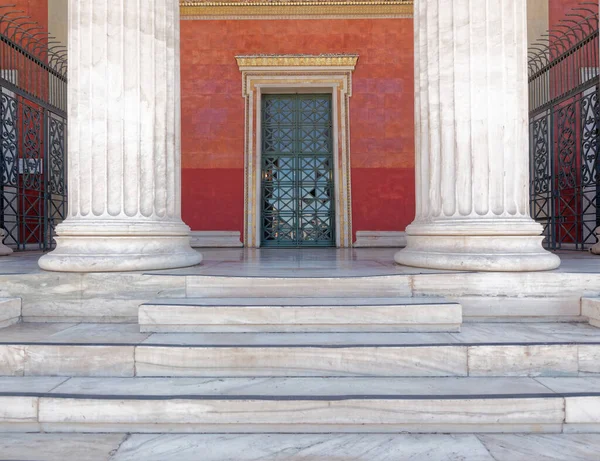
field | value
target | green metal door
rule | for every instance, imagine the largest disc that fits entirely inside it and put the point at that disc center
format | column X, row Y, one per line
column 297, row 171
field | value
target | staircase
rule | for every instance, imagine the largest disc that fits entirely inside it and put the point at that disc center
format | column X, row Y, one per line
column 298, row 359
column 299, row 304
column 496, row 377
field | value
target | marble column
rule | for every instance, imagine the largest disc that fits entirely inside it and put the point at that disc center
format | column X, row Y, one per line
column 4, row 250
column 596, row 248
column 472, row 170
column 124, row 140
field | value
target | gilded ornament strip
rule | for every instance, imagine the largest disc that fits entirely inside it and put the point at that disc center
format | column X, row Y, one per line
column 345, row 60
column 294, row 8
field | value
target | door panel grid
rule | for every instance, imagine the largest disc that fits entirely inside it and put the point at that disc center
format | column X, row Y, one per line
column 297, row 171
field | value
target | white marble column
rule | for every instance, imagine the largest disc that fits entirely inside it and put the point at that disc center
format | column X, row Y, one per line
column 4, row 250
column 596, row 248
column 472, row 140
column 124, row 140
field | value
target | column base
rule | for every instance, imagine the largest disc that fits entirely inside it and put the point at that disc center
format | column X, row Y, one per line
column 596, row 248
column 4, row 250
column 94, row 247
column 513, row 253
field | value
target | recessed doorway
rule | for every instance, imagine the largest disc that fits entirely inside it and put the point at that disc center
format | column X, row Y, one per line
column 297, row 171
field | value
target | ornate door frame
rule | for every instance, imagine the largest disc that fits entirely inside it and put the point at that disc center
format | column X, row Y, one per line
column 295, row 74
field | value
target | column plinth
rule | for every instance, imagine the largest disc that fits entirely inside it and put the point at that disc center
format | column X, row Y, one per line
column 596, row 248
column 4, row 250
column 471, row 119
column 124, row 141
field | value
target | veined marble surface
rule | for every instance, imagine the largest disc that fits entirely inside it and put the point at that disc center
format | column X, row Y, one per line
column 305, row 388
column 99, row 297
column 299, row 447
column 36, row 385
column 471, row 333
column 59, row 447
column 303, row 447
column 117, row 350
column 299, row 263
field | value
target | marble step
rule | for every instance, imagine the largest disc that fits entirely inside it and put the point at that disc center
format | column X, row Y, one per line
column 343, row 286
column 300, row 405
column 300, row 314
column 590, row 308
column 305, row 447
column 70, row 350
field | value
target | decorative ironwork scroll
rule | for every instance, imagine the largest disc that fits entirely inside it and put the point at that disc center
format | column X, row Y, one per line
column 33, row 128
column 564, row 84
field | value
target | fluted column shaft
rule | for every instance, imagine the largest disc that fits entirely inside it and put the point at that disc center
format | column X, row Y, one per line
column 472, row 173
column 124, row 140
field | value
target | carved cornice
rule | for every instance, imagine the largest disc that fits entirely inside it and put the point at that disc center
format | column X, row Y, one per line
column 323, row 60
column 250, row 9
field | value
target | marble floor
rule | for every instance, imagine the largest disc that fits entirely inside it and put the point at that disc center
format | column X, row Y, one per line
column 323, row 262
column 129, row 334
column 299, row 447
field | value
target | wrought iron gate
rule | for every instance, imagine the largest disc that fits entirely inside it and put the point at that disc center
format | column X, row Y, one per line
column 297, row 171
column 33, row 128
column 564, row 131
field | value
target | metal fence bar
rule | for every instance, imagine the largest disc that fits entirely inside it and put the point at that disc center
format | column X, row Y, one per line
column 33, row 83
column 564, row 114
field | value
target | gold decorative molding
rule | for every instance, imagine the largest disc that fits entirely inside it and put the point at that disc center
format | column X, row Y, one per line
column 256, row 9
column 324, row 60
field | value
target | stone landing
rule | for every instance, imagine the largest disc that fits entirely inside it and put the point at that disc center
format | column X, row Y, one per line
column 115, row 297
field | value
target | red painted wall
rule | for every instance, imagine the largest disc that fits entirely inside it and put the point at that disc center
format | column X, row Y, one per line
column 560, row 8
column 35, row 9
column 381, row 113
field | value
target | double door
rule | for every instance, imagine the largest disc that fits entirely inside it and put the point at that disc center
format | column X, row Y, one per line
column 297, row 173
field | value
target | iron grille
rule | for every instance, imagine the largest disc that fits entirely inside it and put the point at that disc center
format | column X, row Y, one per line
column 33, row 128
column 564, row 131
column 297, row 171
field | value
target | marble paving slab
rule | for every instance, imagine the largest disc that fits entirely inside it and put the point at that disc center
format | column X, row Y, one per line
column 302, row 447
column 299, row 447
column 543, row 447
column 486, row 333
column 73, row 333
column 471, row 333
column 33, row 384
column 59, row 447
column 298, row 339
column 586, row 384
column 32, row 332
column 300, row 301
column 310, row 388
column 86, row 333
column 572, row 262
